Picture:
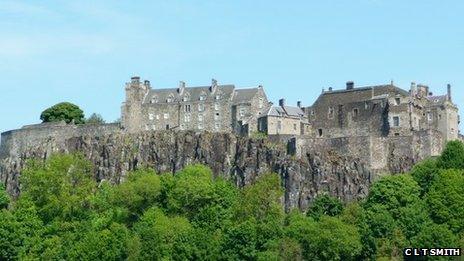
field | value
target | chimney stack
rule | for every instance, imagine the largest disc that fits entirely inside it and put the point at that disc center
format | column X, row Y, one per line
column 181, row 87
column 330, row 89
column 214, row 85
column 282, row 102
column 350, row 85
column 135, row 79
column 147, row 83
column 449, row 91
column 298, row 104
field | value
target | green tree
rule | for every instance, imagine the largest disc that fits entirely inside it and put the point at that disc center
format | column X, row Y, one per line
column 446, row 200
column 164, row 238
column 325, row 205
column 60, row 188
column 425, row 173
column 452, row 156
column 64, row 111
column 4, row 198
column 326, row 239
column 435, row 236
column 95, row 119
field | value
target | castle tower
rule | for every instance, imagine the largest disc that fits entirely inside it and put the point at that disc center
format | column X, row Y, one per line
column 131, row 111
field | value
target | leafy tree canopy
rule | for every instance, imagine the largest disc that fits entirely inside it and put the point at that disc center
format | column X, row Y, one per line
column 64, row 111
column 95, row 119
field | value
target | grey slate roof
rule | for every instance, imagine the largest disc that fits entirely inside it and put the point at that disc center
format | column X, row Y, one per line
column 244, row 95
column 161, row 95
column 438, row 99
column 286, row 111
column 359, row 94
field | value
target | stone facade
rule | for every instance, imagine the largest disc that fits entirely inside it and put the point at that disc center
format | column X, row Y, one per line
column 383, row 111
column 214, row 108
column 285, row 120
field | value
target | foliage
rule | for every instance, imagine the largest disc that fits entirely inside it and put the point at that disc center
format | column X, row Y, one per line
column 62, row 214
column 452, row 156
column 4, row 198
column 64, row 111
column 325, row 205
column 95, row 119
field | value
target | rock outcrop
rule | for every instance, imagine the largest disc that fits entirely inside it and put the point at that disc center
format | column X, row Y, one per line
column 241, row 160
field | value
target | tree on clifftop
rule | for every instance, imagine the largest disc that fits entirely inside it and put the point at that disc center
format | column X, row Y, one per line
column 64, row 111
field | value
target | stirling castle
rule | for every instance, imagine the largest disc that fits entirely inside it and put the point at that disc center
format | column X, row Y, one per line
column 384, row 127
column 379, row 111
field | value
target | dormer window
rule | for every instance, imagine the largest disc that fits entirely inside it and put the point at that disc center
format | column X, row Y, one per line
column 397, row 101
column 170, row 98
column 218, row 96
column 261, row 103
column 154, row 99
column 202, row 97
column 186, row 97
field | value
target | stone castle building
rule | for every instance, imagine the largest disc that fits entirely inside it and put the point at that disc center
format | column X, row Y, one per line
column 379, row 111
column 214, row 108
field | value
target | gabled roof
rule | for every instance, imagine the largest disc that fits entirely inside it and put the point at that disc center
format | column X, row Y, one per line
column 360, row 94
column 286, row 111
column 244, row 95
column 440, row 99
column 194, row 93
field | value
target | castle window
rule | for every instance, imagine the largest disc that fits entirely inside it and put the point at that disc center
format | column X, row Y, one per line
column 151, row 116
column 279, row 126
column 294, row 126
column 242, row 112
column 439, row 116
column 319, row 132
column 200, row 117
column 147, row 127
column 182, row 127
column 153, row 127
column 169, row 99
column 397, row 134
column 218, row 97
column 312, row 112
column 396, row 121
column 355, row 112
column 154, row 99
column 200, row 126
column 366, row 105
column 167, row 127
column 261, row 103
column 202, row 97
column 331, row 112
column 186, row 97
column 187, row 117
column 397, row 101
column 201, row 107
column 157, row 116
column 166, row 116
column 429, row 116
column 216, row 106
column 216, row 126
column 216, row 116
column 187, row 108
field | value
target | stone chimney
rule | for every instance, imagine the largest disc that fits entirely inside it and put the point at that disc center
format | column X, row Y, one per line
column 147, row 83
column 449, row 91
column 298, row 104
column 181, row 88
column 135, row 79
column 282, row 102
column 330, row 89
column 349, row 85
column 214, row 85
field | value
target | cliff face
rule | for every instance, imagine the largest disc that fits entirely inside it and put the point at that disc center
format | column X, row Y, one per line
column 242, row 160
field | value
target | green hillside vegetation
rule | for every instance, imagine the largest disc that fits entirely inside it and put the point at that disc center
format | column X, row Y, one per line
column 63, row 214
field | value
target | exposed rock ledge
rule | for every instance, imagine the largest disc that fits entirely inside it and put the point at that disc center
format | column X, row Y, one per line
column 241, row 160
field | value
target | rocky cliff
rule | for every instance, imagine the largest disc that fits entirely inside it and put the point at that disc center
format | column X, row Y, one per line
column 242, row 160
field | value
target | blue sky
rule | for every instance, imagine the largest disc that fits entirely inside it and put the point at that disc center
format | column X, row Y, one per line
column 84, row 51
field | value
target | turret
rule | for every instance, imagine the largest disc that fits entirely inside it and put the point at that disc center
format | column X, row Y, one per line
column 131, row 109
